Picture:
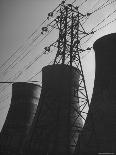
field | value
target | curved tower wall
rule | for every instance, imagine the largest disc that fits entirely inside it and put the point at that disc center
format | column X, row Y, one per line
column 25, row 98
column 53, row 131
column 99, row 132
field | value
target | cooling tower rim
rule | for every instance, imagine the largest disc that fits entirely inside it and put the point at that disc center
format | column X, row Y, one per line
column 63, row 65
column 25, row 83
column 107, row 41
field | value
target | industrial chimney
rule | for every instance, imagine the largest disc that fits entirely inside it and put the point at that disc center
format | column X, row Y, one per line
column 25, row 98
column 99, row 133
column 57, row 122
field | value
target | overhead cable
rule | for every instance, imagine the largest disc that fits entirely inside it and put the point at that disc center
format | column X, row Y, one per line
column 104, row 20
column 103, row 6
column 30, row 36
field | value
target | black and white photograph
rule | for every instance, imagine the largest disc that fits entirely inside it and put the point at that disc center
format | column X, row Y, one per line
column 57, row 77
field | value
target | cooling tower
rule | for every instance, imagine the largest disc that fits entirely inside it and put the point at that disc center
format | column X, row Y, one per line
column 25, row 97
column 99, row 132
column 57, row 123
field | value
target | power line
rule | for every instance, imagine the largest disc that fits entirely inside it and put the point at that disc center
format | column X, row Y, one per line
column 17, row 75
column 20, row 52
column 43, row 23
column 29, row 65
column 98, row 1
column 82, row 3
column 28, row 39
column 38, row 72
column 10, row 66
column 106, row 25
column 13, row 64
column 93, row 31
column 20, row 48
column 98, row 29
column 103, row 6
column 104, row 19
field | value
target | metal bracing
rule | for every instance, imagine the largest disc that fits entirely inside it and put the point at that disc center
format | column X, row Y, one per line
column 71, row 32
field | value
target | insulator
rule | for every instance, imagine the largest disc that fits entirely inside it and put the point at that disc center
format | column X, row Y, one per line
column 88, row 14
column 62, row 2
column 70, row 5
column 50, row 14
column 76, row 42
column 88, row 48
column 47, row 49
column 76, row 7
column 44, row 29
column 92, row 32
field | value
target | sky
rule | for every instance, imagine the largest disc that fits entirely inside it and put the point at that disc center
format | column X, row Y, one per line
column 20, row 18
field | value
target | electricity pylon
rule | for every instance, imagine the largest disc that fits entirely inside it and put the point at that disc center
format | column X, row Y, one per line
column 71, row 32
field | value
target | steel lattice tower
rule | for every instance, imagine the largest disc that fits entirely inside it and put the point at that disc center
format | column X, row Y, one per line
column 71, row 32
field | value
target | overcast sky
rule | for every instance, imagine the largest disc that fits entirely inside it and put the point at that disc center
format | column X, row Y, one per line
column 19, row 19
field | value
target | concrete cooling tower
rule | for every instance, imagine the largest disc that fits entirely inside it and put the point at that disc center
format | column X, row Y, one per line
column 99, row 132
column 57, row 123
column 25, row 98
